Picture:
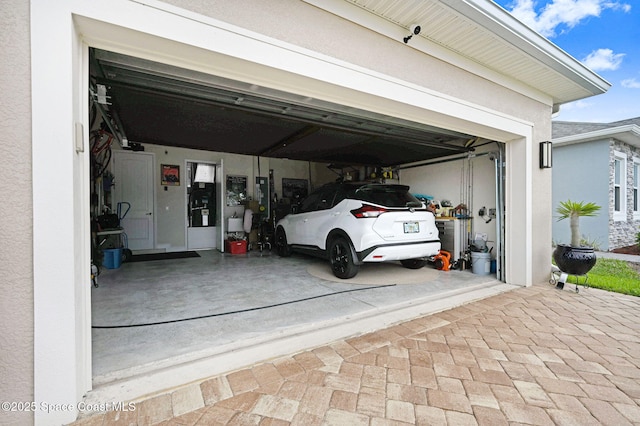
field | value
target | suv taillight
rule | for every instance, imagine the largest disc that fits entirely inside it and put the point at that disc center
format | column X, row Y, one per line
column 368, row 211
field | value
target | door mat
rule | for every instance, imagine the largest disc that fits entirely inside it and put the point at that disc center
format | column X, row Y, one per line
column 163, row 256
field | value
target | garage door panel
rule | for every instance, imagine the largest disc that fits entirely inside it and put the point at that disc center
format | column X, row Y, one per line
column 195, row 124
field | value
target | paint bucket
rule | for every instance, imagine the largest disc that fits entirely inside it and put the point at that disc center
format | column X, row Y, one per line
column 112, row 258
column 480, row 263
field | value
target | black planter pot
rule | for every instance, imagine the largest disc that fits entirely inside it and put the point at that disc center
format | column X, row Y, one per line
column 574, row 260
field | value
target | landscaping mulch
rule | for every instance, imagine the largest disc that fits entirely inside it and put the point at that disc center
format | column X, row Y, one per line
column 635, row 249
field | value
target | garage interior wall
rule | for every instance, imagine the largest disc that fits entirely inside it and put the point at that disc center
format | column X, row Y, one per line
column 170, row 204
column 489, row 110
column 446, row 181
column 441, row 181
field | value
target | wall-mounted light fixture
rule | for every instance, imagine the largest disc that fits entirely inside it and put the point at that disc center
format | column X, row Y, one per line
column 546, row 155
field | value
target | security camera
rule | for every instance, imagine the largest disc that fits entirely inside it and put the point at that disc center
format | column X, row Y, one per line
column 415, row 30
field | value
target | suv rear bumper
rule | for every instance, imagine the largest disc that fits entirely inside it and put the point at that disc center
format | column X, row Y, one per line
column 400, row 251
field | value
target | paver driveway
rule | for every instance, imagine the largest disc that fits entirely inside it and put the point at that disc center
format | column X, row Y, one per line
column 531, row 356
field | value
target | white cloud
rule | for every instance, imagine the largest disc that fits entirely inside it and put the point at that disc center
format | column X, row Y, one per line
column 603, row 60
column 630, row 83
column 561, row 13
column 581, row 104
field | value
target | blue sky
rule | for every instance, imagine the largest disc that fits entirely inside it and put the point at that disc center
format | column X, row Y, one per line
column 602, row 34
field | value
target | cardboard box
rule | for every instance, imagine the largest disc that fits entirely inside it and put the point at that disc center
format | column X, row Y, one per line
column 235, row 247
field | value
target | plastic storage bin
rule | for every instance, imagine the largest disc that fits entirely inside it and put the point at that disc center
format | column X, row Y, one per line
column 236, row 247
column 112, row 258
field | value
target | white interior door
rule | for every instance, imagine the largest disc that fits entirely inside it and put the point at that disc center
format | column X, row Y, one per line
column 133, row 172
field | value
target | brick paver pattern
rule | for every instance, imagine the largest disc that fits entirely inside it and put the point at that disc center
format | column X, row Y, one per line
column 534, row 355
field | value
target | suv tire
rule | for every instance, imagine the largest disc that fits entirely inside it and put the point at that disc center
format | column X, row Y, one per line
column 282, row 247
column 413, row 263
column 341, row 258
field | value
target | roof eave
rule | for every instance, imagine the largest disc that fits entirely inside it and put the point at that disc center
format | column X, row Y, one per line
column 629, row 134
column 499, row 21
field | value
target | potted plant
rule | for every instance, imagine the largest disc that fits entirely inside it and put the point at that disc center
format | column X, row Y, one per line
column 575, row 259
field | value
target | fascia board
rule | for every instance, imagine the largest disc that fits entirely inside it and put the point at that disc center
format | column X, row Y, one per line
column 629, row 134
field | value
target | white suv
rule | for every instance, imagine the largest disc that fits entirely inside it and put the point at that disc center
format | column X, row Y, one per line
column 351, row 223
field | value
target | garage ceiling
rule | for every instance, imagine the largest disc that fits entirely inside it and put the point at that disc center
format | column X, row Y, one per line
column 171, row 106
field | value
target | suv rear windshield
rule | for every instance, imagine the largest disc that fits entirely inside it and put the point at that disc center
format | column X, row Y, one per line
column 385, row 195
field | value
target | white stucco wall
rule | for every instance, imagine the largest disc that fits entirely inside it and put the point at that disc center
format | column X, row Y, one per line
column 432, row 94
column 16, row 262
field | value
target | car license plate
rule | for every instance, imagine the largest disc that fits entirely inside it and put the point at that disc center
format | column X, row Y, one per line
column 411, row 227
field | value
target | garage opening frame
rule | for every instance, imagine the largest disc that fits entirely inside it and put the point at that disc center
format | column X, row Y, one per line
column 178, row 37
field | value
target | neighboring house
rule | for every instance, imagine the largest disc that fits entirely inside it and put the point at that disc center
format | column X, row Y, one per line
column 474, row 70
column 600, row 163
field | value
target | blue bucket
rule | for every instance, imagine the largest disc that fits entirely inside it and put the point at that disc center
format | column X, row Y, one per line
column 112, row 258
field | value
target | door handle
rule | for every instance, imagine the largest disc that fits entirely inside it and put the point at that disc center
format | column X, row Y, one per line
column 306, row 220
column 335, row 214
column 149, row 214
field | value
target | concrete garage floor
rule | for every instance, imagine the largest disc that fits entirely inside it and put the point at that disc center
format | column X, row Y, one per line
column 312, row 308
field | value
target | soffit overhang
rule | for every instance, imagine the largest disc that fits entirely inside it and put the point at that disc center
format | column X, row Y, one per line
column 484, row 39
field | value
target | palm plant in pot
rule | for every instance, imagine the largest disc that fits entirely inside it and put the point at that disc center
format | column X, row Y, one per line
column 575, row 259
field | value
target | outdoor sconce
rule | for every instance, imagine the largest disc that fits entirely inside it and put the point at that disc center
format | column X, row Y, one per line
column 546, row 155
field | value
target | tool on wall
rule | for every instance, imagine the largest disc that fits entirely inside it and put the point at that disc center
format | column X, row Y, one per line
column 487, row 215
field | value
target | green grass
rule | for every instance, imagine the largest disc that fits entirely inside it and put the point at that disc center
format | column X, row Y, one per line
column 612, row 275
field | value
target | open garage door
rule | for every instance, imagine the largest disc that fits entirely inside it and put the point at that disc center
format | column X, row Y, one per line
column 167, row 105
column 164, row 108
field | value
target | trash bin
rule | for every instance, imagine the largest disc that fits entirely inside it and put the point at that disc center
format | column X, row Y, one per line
column 480, row 263
column 112, row 258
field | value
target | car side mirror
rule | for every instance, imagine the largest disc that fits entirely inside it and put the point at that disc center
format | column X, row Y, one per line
column 294, row 209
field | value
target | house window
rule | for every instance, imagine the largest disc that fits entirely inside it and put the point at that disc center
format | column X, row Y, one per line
column 636, row 187
column 619, row 186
